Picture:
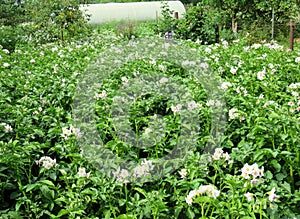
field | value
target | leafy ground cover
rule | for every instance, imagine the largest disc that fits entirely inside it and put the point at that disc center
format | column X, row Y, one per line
column 253, row 173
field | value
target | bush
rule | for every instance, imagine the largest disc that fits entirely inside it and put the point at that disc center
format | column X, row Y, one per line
column 167, row 23
column 126, row 29
column 9, row 37
column 56, row 20
column 11, row 12
column 199, row 23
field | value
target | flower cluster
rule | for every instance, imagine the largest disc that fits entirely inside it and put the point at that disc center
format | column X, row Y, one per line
column 272, row 195
column 183, row 173
column 188, row 63
column 36, row 112
column 193, row 105
column 7, row 127
column 208, row 50
column 241, row 90
column 272, row 67
column 253, row 170
column 143, row 169
column 249, row 196
column 225, row 85
column 273, row 45
column 6, row 51
column 163, row 80
column 233, row 70
column 295, row 103
column 47, row 162
column 213, row 103
column 6, row 65
column 234, row 114
column 124, row 80
column 162, row 67
column 204, row 65
column 219, row 154
column 260, row 97
column 102, row 95
column 82, row 173
column 270, row 102
column 176, row 109
column 261, row 74
column 294, row 85
column 71, row 131
column 148, row 131
column 121, row 175
column 208, row 190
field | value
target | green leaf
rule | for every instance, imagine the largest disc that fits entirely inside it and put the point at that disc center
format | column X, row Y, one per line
column 141, row 191
column 30, row 187
column 15, row 215
column 274, row 115
column 276, row 165
column 287, row 153
column 287, row 187
column 63, row 172
column 122, row 202
column 125, row 216
column 260, row 154
column 268, row 175
column 62, row 212
column 61, row 199
column 18, row 205
column 177, row 211
column 280, row 176
column 47, row 193
column 14, row 195
column 107, row 214
column 48, row 182
column 190, row 213
column 202, row 199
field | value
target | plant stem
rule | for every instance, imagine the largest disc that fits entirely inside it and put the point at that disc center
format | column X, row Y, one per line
column 260, row 210
column 21, row 188
column 207, row 210
column 126, row 197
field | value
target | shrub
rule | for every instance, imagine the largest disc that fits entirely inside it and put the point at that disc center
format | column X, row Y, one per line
column 11, row 12
column 56, row 20
column 167, row 23
column 127, row 29
column 199, row 23
column 9, row 37
column 203, row 23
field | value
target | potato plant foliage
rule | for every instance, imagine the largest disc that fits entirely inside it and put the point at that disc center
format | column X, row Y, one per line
column 253, row 173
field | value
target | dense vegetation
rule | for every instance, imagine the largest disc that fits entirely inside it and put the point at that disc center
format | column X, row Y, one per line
column 193, row 119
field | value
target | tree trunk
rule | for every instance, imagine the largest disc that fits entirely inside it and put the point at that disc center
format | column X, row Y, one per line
column 234, row 24
column 217, row 33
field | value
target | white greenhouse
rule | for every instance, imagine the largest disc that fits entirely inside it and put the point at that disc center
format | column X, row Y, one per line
column 133, row 11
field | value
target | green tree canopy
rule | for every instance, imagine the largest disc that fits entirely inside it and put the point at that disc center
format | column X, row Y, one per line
column 11, row 12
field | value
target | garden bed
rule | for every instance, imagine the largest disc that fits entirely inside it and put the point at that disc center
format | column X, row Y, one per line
column 251, row 171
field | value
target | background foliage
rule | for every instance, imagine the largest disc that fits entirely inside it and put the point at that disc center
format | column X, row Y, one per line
column 209, row 21
column 11, row 12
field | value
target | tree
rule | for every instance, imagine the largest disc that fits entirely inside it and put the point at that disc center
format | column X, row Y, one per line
column 284, row 10
column 11, row 12
column 254, row 10
column 235, row 9
column 57, row 19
